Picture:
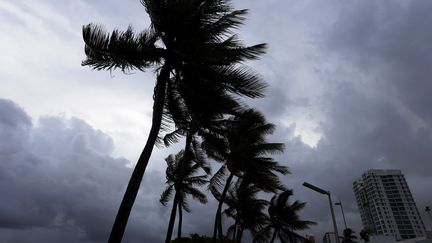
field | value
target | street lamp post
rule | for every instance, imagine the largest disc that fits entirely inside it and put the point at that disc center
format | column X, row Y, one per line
column 343, row 215
column 319, row 190
column 428, row 211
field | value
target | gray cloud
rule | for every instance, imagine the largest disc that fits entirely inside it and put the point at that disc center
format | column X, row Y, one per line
column 59, row 181
column 390, row 41
column 360, row 133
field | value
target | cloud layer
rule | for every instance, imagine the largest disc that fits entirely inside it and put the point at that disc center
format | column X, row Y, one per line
column 60, row 181
column 349, row 90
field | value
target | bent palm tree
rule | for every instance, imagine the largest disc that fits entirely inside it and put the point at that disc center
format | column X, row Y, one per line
column 245, row 208
column 283, row 219
column 246, row 157
column 181, row 178
column 196, row 32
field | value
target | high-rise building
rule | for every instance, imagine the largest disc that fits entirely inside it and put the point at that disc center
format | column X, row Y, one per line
column 387, row 206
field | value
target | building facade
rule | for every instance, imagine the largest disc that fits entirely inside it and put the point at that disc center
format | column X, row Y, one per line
column 387, row 206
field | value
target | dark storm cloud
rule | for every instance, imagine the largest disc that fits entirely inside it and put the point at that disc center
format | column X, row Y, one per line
column 58, row 181
column 377, row 113
column 360, row 133
column 392, row 41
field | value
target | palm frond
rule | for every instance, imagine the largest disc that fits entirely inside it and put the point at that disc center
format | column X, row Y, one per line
column 196, row 194
column 166, row 195
column 216, row 183
column 197, row 180
column 185, row 205
column 200, row 158
column 223, row 26
column 268, row 148
column 228, row 52
column 239, row 80
column 120, row 49
column 173, row 137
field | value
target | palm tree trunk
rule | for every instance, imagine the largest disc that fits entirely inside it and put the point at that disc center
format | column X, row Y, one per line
column 218, row 218
column 274, row 236
column 180, row 221
column 235, row 228
column 183, row 162
column 187, row 154
column 240, row 234
column 172, row 220
column 138, row 173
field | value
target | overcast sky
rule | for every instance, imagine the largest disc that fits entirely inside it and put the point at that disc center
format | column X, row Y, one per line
column 350, row 89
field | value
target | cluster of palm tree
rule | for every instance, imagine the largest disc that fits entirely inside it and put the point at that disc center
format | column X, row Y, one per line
column 201, row 79
column 243, row 152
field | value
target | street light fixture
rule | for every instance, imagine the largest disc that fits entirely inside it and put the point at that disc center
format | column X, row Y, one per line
column 319, row 190
column 343, row 215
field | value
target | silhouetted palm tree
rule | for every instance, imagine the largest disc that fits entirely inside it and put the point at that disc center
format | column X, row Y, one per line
column 365, row 234
column 246, row 157
column 245, row 208
column 348, row 236
column 196, row 32
column 182, row 181
column 284, row 219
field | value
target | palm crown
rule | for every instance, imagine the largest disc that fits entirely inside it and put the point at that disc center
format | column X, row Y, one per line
column 284, row 219
column 181, row 178
column 245, row 208
column 245, row 155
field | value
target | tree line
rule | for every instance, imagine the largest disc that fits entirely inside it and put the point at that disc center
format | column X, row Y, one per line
column 202, row 79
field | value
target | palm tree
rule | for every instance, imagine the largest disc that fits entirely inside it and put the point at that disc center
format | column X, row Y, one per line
column 365, row 234
column 246, row 157
column 181, row 179
column 245, row 208
column 348, row 236
column 283, row 219
column 196, row 32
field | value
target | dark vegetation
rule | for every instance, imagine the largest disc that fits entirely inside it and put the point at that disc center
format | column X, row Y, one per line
column 201, row 78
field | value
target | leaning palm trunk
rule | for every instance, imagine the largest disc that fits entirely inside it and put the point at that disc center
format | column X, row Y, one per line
column 172, row 219
column 218, row 219
column 240, row 234
column 235, row 228
column 180, row 221
column 275, row 232
column 138, row 173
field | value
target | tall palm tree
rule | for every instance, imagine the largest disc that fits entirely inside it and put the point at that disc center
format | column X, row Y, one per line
column 245, row 208
column 182, row 181
column 348, row 236
column 246, row 157
column 197, row 32
column 283, row 219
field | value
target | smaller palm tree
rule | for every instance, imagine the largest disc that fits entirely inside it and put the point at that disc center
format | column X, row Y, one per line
column 181, row 179
column 284, row 219
column 246, row 155
column 365, row 234
column 348, row 236
column 245, row 208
